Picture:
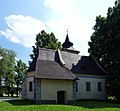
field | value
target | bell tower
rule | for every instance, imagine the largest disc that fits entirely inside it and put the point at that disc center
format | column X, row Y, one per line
column 68, row 46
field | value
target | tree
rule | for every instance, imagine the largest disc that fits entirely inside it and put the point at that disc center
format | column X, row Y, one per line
column 2, row 55
column 20, row 69
column 7, row 69
column 105, row 47
column 45, row 40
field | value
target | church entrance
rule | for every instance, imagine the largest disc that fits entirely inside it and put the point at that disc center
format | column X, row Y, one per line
column 61, row 97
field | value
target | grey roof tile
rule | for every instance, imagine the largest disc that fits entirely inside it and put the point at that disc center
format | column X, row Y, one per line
column 87, row 65
column 48, row 65
column 52, row 70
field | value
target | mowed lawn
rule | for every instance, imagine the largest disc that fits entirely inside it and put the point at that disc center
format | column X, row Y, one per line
column 20, row 105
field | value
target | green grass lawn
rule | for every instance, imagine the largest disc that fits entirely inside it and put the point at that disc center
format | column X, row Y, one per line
column 19, row 105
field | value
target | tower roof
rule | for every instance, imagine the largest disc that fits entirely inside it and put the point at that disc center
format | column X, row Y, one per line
column 68, row 46
column 67, row 43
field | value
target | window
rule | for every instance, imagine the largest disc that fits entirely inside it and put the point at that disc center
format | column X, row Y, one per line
column 88, row 88
column 30, row 86
column 76, row 86
column 99, row 86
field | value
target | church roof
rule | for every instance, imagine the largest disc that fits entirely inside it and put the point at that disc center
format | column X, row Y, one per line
column 52, row 70
column 48, row 65
column 87, row 65
column 32, row 65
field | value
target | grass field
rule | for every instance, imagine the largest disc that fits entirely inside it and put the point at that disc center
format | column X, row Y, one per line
column 19, row 105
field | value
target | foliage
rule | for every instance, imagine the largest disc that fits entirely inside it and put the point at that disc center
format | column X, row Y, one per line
column 105, row 47
column 20, row 69
column 7, row 69
column 45, row 40
column 80, row 106
column 2, row 54
column 11, row 74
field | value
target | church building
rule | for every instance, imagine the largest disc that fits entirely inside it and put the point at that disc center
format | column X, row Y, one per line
column 63, row 76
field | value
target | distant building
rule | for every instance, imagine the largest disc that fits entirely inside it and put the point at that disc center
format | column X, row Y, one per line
column 63, row 76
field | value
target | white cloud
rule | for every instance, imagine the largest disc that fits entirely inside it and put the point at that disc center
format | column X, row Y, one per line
column 70, row 17
column 22, row 29
column 61, row 7
column 76, row 16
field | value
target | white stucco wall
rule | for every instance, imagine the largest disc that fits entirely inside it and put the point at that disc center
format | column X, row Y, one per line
column 94, row 93
column 30, row 94
column 49, row 89
column 24, row 88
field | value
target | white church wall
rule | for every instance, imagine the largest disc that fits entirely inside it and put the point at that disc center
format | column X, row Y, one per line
column 94, row 92
column 30, row 91
column 49, row 89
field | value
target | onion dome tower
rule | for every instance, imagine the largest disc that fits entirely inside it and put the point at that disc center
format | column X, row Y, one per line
column 68, row 46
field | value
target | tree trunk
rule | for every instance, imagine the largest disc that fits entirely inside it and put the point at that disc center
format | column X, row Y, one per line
column 17, row 89
column 12, row 92
column 8, row 88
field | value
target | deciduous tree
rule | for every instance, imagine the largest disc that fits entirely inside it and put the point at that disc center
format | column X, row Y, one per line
column 20, row 69
column 7, row 69
column 105, row 47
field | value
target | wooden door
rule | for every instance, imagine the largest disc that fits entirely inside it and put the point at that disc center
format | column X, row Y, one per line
column 61, row 97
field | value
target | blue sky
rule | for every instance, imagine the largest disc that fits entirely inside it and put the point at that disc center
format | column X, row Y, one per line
column 21, row 20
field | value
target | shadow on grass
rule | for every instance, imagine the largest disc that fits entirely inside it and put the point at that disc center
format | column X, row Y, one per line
column 96, row 104
column 20, row 102
column 84, row 104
